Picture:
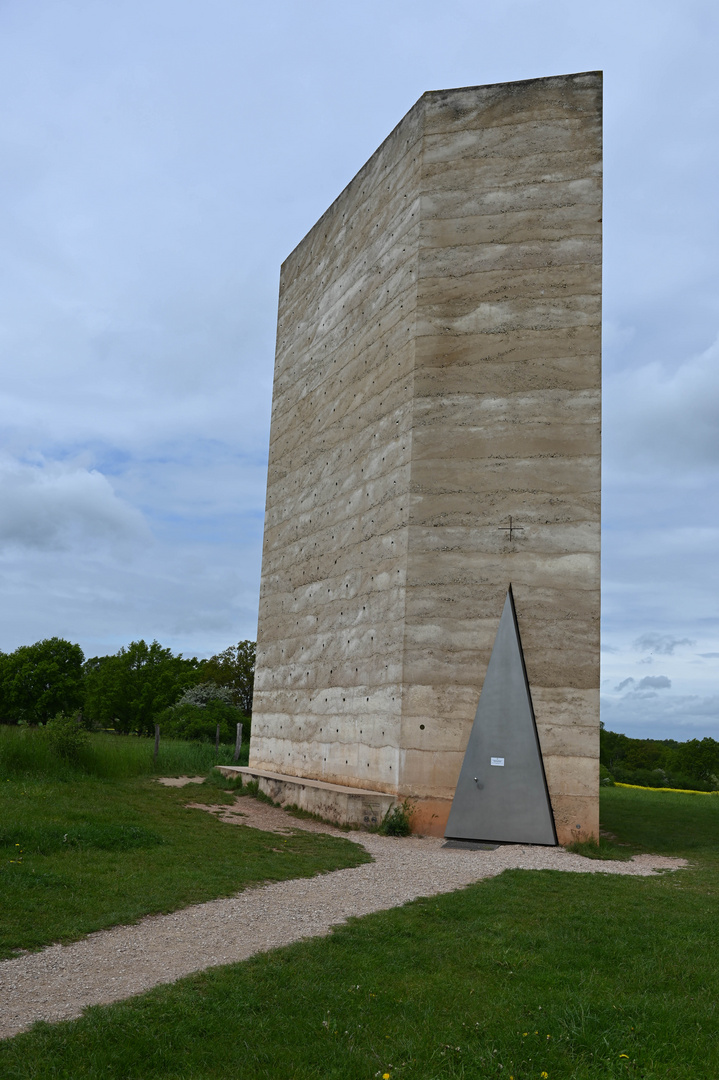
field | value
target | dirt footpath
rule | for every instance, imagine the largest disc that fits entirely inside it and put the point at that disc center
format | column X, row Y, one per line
column 61, row 981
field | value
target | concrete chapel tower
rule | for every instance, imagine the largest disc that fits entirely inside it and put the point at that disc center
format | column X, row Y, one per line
column 435, row 438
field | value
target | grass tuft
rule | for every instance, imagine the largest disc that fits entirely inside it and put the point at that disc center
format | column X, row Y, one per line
column 397, row 820
column 605, row 849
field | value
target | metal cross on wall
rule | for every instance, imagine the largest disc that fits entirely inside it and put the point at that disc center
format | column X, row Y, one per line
column 511, row 528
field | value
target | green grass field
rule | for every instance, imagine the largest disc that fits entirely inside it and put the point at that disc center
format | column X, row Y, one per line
column 531, row 976
column 82, row 851
column 25, row 753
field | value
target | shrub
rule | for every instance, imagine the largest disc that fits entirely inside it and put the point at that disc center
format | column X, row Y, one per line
column 204, row 693
column 396, row 821
column 658, row 778
column 188, row 721
column 605, row 777
column 66, row 737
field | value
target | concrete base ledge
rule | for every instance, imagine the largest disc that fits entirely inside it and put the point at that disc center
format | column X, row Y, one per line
column 335, row 802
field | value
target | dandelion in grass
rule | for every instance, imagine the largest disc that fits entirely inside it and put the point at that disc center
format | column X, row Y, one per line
column 544, row 1075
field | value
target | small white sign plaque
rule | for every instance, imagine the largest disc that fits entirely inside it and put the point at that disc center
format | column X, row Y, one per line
column 497, row 761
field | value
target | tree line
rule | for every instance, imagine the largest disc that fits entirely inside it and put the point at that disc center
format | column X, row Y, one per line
column 660, row 762
column 130, row 691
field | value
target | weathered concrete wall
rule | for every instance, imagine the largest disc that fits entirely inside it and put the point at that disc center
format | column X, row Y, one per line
column 438, row 369
column 328, row 689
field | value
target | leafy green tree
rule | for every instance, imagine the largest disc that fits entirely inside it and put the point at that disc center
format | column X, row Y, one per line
column 38, row 681
column 696, row 758
column 188, row 721
column 129, row 689
column 644, row 754
column 235, row 667
column 613, row 747
column 200, row 709
column 661, row 762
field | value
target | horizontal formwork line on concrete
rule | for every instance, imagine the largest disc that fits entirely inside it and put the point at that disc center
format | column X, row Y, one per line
column 438, row 120
column 549, row 137
column 501, row 172
column 352, row 376
column 530, row 283
column 385, row 438
column 512, row 198
column 365, row 299
column 359, row 237
column 391, row 421
column 506, row 316
column 346, row 343
column 447, row 261
column 537, row 226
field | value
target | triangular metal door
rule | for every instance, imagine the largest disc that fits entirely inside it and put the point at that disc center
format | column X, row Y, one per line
column 502, row 791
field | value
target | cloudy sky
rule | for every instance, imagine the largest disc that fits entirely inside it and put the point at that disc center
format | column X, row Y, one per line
column 160, row 158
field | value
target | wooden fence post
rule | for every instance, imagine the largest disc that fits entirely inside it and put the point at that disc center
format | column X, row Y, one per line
column 238, row 743
column 157, row 742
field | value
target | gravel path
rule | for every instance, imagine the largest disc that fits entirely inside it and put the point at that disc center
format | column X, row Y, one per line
column 61, row 981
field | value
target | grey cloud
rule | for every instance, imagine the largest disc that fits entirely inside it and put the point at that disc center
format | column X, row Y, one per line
column 654, row 682
column 667, row 414
column 197, row 599
column 624, row 683
column 686, row 716
column 51, row 505
column 663, row 644
column 709, row 655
